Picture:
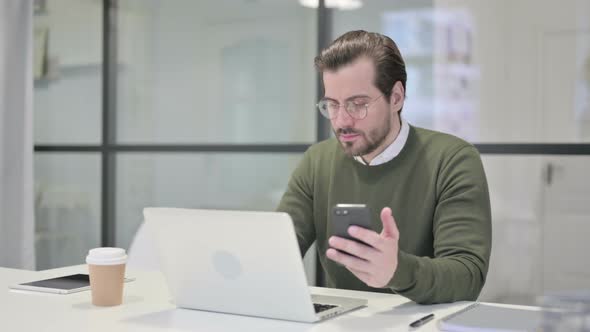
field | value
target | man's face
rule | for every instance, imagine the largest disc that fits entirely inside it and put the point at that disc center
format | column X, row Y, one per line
column 361, row 137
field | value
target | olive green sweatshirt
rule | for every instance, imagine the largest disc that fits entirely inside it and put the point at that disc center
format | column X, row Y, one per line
column 437, row 191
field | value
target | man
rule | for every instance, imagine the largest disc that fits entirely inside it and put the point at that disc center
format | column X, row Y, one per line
column 437, row 247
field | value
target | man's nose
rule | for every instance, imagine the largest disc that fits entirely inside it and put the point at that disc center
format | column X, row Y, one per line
column 342, row 118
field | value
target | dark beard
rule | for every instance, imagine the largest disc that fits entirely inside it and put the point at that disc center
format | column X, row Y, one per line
column 374, row 140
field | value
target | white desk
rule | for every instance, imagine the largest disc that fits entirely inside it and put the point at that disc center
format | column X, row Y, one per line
column 147, row 307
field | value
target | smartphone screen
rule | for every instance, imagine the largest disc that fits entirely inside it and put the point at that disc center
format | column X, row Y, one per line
column 66, row 282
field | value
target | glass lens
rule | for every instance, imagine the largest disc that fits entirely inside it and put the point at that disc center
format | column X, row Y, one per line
column 324, row 106
column 357, row 111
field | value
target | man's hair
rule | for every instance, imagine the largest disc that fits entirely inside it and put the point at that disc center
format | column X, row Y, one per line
column 388, row 61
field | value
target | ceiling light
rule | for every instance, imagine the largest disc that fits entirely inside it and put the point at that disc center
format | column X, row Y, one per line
column 336, row 4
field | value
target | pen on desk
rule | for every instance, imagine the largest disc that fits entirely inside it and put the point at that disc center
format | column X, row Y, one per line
column 422, row 321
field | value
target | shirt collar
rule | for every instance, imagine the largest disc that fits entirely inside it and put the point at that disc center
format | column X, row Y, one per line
column 392, row 150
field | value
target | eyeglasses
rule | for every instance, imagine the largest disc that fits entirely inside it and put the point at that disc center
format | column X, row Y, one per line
column 356, row 109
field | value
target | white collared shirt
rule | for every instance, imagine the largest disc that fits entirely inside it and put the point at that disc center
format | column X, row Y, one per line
column 392, row 150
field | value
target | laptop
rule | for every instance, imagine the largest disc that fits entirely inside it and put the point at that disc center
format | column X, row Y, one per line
column 238, row 262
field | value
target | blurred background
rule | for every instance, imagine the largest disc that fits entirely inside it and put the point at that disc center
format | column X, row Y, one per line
column 210, row 104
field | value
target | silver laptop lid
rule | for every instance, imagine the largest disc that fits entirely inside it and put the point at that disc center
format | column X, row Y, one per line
column 232, row 261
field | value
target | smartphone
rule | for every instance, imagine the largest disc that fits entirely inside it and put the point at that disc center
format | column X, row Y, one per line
column 61, row 285
column 346, row 215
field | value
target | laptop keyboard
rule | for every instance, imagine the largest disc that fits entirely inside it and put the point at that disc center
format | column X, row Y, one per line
column 322, row 307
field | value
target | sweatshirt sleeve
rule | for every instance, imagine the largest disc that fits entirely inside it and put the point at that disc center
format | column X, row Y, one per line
column 462, row 237
column 297, row 201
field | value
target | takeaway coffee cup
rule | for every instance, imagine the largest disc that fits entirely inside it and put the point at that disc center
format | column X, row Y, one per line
column 107, row 273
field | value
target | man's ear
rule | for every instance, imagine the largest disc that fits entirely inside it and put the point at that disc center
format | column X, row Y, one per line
column 397, row 98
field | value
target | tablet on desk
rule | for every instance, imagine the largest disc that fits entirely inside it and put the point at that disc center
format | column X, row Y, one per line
column 484, row 317
column 61, row 285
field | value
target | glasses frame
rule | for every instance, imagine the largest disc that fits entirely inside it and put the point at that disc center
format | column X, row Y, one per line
column 347, row 108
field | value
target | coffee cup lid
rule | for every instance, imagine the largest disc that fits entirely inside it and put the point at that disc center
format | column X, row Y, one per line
column 106, row 256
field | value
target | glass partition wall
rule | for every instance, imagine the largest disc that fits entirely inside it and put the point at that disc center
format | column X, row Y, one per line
column 211, row 104
column 512, row 77
column 165, row 103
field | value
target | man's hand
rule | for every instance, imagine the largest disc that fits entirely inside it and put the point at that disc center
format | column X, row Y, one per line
column 375, row 264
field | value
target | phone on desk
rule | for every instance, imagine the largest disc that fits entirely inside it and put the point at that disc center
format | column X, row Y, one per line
column 61, row 285
column 346, row 215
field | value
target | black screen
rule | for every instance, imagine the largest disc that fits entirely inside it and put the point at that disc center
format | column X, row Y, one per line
column 66, row 282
